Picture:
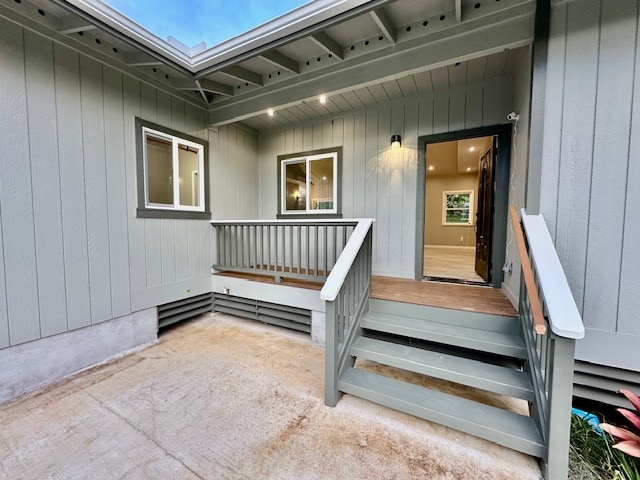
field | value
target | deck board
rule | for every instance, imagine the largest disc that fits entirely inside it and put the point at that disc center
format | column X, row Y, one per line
column 445, row 295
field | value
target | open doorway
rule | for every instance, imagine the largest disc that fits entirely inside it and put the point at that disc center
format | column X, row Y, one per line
column 463, row 196
column 458, row 189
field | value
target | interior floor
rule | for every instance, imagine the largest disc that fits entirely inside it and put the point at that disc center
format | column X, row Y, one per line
column 458, row 263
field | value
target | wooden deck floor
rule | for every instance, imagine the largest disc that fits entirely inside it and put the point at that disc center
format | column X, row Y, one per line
column 446, row 295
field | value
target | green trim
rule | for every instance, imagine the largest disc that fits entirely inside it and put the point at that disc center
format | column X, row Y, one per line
column 142, row 211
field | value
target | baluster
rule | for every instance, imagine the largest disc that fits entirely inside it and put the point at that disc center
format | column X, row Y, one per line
column 269, row 247
column 334, row 229
column 291, row 227
column 299, row 230
column 316, row 248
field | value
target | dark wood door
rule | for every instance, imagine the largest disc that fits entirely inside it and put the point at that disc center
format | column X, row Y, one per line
column 484, row 214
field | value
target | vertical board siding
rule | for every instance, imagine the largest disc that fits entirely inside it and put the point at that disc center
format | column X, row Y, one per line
column 590, row 161
column 74, row 221
column 72, row 250
column 378, row 181
column 16, row 192
column 116, row 192
column 45, row 182
column 95, row 174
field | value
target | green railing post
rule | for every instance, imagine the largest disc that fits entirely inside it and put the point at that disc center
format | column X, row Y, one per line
column 560, row 390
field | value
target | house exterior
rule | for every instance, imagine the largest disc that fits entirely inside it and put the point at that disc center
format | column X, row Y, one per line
column 84, row 267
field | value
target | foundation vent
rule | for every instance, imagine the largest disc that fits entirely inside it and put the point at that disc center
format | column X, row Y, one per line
column 173, row 312
column 601, row 383
column 271, row 313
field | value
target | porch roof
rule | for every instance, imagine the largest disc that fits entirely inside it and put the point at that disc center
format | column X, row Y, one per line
column 351, row 51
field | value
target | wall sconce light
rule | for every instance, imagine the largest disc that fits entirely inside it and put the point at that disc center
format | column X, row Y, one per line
column 396, row 141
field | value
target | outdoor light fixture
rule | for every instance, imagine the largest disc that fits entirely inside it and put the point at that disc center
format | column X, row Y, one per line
column 322, row 99
column 396, row 141
column 270, row 112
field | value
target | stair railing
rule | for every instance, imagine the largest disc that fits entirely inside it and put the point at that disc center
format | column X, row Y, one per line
column 551, row 324
column 299, row 249
column 346, row 295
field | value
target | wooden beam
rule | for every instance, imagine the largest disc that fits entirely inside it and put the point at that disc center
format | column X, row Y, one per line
column 141, row 60
column 215, row 87
column 458, row 7
column 384, row 24
column 244, row 75
column 281, row 61
column 74, row 25
column 328, row 44
column 393, row 61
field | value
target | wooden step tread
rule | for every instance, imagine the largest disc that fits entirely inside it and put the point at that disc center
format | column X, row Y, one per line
column 473, row 373
column 494, row 424
column 495, row 342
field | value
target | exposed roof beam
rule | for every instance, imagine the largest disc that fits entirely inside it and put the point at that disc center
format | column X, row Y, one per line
column 384, row 24
column 480, row 37
column 244, row 75
column 458, row 6
column 74, row 25
column 141, row 60
column 328, row 44
column 281, row 61
column 215, row 87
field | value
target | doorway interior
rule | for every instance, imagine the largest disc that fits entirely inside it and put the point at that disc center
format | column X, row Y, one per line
column 463, row 196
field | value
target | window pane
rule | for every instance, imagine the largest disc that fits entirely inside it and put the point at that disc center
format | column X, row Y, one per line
column 296, row 186
column 159, row 171
column 321, row 184
column 457, row 216
column 189, row 176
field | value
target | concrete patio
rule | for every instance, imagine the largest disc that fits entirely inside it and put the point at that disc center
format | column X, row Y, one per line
column 224, row 398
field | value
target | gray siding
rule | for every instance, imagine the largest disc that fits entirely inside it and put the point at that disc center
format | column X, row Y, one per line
column 73, row 253
column 590, row 164
column 376, row 181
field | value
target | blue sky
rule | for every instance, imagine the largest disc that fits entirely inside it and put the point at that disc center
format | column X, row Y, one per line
column 194, row 21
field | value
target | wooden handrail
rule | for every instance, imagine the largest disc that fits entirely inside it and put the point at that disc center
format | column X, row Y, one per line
column 539, row 322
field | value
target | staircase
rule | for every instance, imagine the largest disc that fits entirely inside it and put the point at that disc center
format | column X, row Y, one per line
column 482, row 351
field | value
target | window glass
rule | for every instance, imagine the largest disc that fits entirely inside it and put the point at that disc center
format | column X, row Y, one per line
column 296, row 186
column 160, row 170
column 322, row 184
column 188, row 182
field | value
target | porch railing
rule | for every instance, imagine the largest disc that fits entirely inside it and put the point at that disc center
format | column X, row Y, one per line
column 551, row 324
column 301, row 249
column 346, row 293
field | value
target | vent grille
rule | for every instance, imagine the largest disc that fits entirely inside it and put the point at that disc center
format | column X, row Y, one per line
column 173, row 312
column 271, row 313
column 601, row 383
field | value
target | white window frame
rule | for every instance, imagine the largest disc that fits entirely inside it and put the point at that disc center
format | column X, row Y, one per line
column 445, row 193
column 175, row 142
column 308, row 160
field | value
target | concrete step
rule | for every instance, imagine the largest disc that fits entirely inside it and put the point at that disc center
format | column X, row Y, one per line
column 494, row 424
column 496, row 342
column 473, row 373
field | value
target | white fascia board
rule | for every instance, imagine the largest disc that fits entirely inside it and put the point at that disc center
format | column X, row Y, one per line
column 303, row 17
column 107, row 15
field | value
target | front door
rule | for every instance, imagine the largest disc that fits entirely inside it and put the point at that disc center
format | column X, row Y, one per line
column 484, row 215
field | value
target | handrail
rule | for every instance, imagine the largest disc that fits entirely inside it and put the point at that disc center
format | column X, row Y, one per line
column 564, row 318
column 539, row 322
column 286, row 222
column 340, row 270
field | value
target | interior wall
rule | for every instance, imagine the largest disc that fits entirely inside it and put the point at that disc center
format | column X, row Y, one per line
column 591, row 168
column 449, row 235
column 72, row 252
column 377, row 181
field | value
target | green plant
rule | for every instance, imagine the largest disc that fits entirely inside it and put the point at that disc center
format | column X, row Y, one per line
column 629, row 442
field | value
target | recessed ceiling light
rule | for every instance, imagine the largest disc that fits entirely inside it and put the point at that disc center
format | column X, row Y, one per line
column 322, row 99
column 430, row 167
column 468, row 169
column 472, row 149
column 324, row 178
column 270, row 112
